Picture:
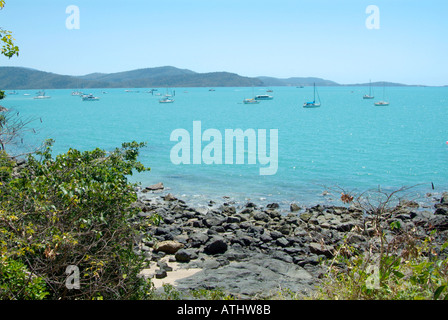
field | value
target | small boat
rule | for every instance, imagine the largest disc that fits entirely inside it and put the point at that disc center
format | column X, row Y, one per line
column 382, row 102
column 77, row 93
column 41, row 95
column 269, row 90
column 211, row 89
column 313, row 104
column 250, row 101
column 264, row 97
column 89, row 97
column 369, row 96
column 166, row 100
column 14, row 92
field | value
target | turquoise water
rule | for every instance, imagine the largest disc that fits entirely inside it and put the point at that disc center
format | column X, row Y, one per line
column 347, row 142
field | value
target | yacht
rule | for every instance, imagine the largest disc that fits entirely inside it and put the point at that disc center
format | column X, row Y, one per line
column 250, row 101
column 264, row 97
column 89, row 97
column 313, row 104
column 41, row 95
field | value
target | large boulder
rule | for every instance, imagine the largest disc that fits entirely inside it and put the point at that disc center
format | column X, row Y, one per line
column 216, row 245
column 169, row 246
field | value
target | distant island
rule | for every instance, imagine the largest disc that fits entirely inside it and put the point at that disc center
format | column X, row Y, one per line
column 20, row 78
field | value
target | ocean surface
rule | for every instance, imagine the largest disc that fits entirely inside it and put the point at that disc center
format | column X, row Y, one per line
column 346, row 144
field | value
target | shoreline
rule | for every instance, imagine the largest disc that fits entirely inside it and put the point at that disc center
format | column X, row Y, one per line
column 328, row 196
column 253, row 251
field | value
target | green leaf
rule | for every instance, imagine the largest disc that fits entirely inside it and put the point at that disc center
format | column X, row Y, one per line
column 439, row 291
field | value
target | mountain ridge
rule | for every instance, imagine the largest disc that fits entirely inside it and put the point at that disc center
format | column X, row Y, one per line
column 17, row 78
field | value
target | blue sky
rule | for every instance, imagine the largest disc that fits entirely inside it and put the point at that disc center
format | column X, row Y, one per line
column 282, row 38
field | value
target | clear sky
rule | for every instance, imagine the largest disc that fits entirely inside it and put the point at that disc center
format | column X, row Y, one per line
column 281, row 38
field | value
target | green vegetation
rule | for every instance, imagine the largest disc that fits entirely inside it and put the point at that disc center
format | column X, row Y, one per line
column 9, row 49
column 398, row 262
column 414, row 273
column 72, row 210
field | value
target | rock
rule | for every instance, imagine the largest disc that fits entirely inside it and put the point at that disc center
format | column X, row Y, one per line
column 160, row 274
column 345, row 226
column 169, row 197
column 266, row 237
column 216, row 245
column 259, row 275
column 233, row 219
column 273, row 206
column 214, row 221
column 285, row 229
column 164, row 266
column 251, row 205
column 321, row 249
column 307, row 259
column 276, row 234
column 198, row 239
column 169, row 246
column 261, row 216
column 202, row 210
column 306, row 216
column 154, row 187
column 408, row 204
column 282, row 242
column 441, row 210
column 280, row 255
column 185, row 255
column 444, row 199
column 293, row 207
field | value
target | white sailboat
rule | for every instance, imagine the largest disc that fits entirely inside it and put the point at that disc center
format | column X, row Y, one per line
column 41, row 95
column 251, row 100
column 382, row 102
column 369, row 96
column 313, row 104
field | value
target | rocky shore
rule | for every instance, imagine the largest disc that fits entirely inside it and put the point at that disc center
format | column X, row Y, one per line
column 252, row 251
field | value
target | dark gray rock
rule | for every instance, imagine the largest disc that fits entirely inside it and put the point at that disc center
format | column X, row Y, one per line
column 441, row 210
column 273, row 206
column 160, row 274
column 186, row 255
column 261, row 216
column 216, row 245
column 258, row 276
column 198, row 239
column 266, row 236
column 212, row 221
column 282, row 242
column 444, row 199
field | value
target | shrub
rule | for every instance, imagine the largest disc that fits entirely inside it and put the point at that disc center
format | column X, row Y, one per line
column 74, row 210
column 396, row 263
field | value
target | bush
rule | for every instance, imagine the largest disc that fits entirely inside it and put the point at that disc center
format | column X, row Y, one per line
column 396, row 263
column 73, row 210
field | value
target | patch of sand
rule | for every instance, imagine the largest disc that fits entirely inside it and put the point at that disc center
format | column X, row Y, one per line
column 177, row 273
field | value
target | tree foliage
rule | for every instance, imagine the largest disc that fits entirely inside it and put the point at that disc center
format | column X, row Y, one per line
column 71, row 210
column 9, row 49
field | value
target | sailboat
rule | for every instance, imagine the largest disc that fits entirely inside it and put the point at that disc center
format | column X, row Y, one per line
column 251, row 100
column 313, row 104
column 168, row 97
column 382, row 102
column 369, row 96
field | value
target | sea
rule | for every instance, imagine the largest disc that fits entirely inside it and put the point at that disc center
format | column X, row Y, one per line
column 348, row 145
